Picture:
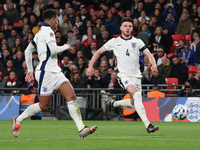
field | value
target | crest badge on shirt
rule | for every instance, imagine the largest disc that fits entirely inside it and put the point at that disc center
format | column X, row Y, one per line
column 51, row 34
column 133, row 45
column 44, row 89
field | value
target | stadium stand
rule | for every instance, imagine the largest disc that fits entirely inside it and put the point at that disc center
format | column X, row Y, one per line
column 92, row 27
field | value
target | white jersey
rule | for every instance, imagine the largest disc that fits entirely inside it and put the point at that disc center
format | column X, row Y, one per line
column 48, row 61
column 127, row 54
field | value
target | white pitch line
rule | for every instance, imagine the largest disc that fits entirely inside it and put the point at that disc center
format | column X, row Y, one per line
column 123, row 137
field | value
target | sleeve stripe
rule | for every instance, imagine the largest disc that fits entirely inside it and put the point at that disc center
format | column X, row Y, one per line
column 32, row 45
column 51, row 41
column 143, row 48
column 104, row 48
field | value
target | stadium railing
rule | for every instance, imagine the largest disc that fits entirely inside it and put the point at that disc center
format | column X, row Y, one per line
column 92, row 97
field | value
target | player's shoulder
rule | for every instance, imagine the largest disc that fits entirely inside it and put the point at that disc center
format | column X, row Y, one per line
column 136, row 40
column 47, row 31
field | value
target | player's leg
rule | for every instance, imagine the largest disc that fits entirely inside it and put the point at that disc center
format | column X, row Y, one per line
column 136, row 99
column 122, row 103
column 29, row 112
column 45, row 90
column 66, row 90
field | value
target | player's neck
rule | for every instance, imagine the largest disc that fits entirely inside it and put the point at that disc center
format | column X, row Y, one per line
column 49, row 23
column 126, row 37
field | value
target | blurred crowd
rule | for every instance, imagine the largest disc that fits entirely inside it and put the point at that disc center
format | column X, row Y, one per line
column 88, row 24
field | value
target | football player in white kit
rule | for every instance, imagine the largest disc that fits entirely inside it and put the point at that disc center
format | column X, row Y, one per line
column 49, row 76
column 126, row 50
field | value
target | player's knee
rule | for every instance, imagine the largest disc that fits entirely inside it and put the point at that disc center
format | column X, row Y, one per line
column 44, row 107
column 71, row 98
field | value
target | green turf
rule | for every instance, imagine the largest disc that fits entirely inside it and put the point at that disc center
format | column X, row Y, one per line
column 110, row 135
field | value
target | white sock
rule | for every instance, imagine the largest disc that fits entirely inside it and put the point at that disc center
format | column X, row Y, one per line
column 30, row 111
column 123, row 103
column 75, row 113
column 139, row 107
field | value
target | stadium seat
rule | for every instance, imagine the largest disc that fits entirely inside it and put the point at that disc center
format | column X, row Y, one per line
column 116, row 35
column 128, row 119
column 16, row 24
column 120, row 12
column 171, row 81
column 89, row 7
column 188, row 37
column 153, row 53
column 177, row 37
column 192, row 70
column 174, row 44
column 77, row 13
column 170, row 55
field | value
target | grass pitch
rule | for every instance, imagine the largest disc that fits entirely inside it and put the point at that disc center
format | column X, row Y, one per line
column 110, row 135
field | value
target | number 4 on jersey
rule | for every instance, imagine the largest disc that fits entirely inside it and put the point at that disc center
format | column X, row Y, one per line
column 127, row 53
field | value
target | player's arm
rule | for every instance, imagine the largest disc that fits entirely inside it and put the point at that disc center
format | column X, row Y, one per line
column 28, row 57
column 96, row 55
column 55, row 49
column 151, row 60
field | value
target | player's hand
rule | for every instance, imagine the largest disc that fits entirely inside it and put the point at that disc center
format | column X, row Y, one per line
column 69, row 46
column 90, row 71
column 154, row 68
column 29, row 77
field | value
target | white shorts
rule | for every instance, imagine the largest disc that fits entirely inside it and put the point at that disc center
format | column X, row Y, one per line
column 49, row 81
column 128, row 80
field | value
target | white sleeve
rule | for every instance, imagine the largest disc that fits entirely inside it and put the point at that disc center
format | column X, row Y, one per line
column 28, row 56
column 109, row 45
column 51, row 42
column 56, row 49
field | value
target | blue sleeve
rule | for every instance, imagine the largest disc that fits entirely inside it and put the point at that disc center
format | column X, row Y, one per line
column 116, row 29
column 165, row 13
column 181, row 54
column 164, row 23
column 174, row 14
column 174, row 26
column 192, row 58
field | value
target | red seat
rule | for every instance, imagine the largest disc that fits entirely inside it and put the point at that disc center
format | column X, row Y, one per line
column 153, row 53
column 188, row 37
column 170, row 55
column 16, row 24
column 192, row 69
column 89, row 7
column 77, row 13
column 174, row 44
column 116, row 35
column 120, row 12
column 128, row 119
column 171, row 81
column 177, row 37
